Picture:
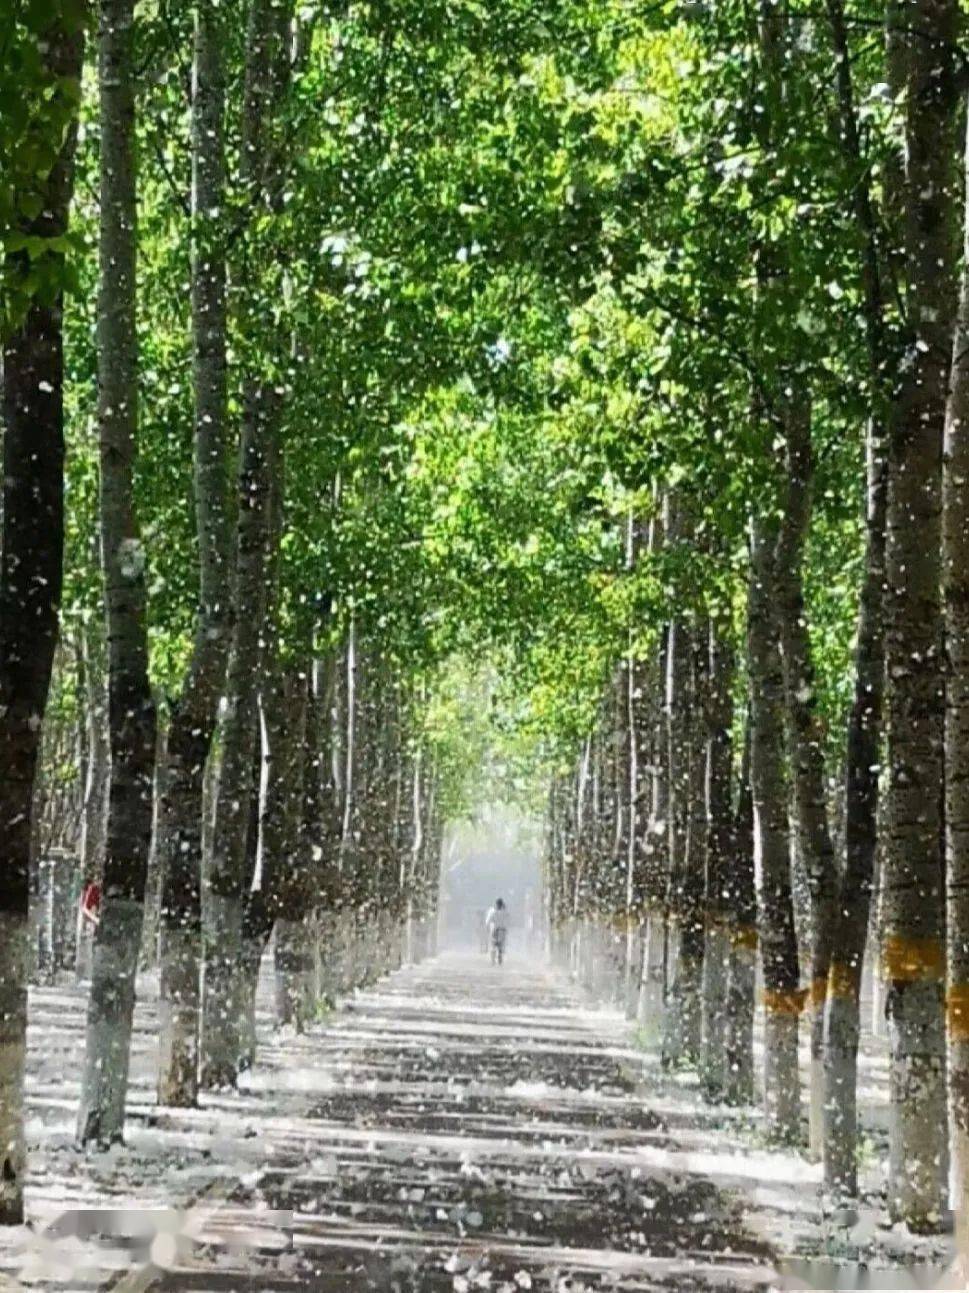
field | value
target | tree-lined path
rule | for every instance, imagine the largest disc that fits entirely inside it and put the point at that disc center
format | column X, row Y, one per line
column 408, row 410
column 453, row 1123
column 476, row 1124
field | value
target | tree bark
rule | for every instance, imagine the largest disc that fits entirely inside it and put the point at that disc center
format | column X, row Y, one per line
column 293, row 948
column 842, row 1023
column 256, row 920
column 224, row 890
column 955, row 534
column 719, row 863
column 97, row 759
column 913, row 953
column 286, row 890
column 783, row 999
column 805, row 741
column 195, row 711
column 149, row 955
column 655, row 856
column 322, row 815
column 742, row 972
column 131, row 709
column 683, row 1016
column 640, row 720
column 31, row 570
column 94, row 817
column 842, row 1026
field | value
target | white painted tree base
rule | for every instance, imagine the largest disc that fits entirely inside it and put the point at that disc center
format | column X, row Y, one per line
column 716, row 967
column 782, row 1090
column 110, row 1014
column 682, row 1014
column 635, row 947
column 919, row 1148
column 293, row 957
column 959, row 1073
column 651, row 989
column 178, row 1018
column 738, row 1038
column 816, row 1107
column 13, row 1054
column 840, row 1097
column 222, row 1005
column 327, row 986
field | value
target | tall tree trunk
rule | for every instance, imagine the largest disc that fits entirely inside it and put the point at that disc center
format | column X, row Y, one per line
column 640, row 705
column 256, row 919
column 313, row 834
column 742, row 973
column 131, row 709
column 779, row 954
column 30, row 589
column 284, row 891
column 96, row 767
column 655, row 853
column 323, row 816
column 719, row 863
column 224, row 888
column 851, row 917
column 842, row 1026
column 805, row 741
column 149, row 956
column 782, row 1000
column 194, row 713
column 351, row 752
column 613, row 897
column 955, row 531
column 682, row 1016
column 842, row 1023
column 913, row 951
column 94, row 700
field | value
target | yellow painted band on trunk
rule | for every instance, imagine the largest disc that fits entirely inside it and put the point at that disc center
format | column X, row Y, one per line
column 913, row 960
column 842, row 982
column 957, row 1012
column 784, row 1001
column 744, row 936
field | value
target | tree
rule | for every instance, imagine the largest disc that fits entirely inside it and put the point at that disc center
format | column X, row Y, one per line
column 719, row 862
column 805, row 741
column 783, row 999
column 131, row 708
column 955, row 570
column 225, row 884
column 863, row 743
column 741, row 975
column 192, row 724
column 31, row 562
column 913, row 954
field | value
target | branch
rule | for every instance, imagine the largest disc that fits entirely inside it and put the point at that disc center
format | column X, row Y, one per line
column 177, row 193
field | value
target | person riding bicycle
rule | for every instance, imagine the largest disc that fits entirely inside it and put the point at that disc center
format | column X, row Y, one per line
column 497, row 926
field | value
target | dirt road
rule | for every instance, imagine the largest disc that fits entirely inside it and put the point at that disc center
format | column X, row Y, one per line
column 461, row 1127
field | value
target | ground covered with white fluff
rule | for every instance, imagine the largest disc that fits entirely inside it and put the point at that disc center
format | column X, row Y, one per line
column 457, row 1126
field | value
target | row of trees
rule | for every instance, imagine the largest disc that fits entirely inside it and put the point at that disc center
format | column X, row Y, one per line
column 592, row 369
column 736, row 726
column 654, row 895
column 250, row 709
